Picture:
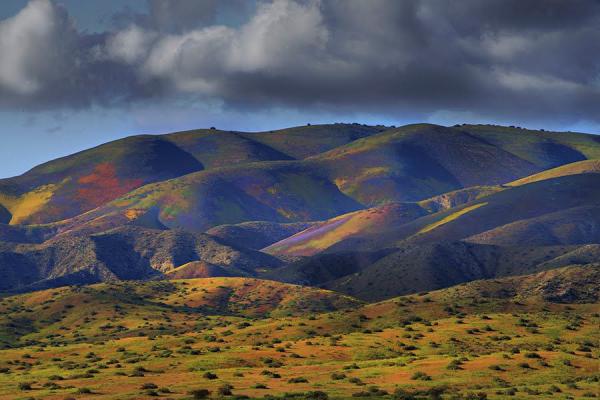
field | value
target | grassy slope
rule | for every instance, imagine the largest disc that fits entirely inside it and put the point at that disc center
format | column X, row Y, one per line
column 325, row 234
column 71, row 185
column 533, row 200
column 369, row 164
column 474, row 337
column 411, row 162
column 578, row 225
column 579, row 167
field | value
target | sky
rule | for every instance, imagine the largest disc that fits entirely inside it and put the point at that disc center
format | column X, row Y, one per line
column 75, row 74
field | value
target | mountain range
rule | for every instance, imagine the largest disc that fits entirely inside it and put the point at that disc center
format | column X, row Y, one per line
column 369, row 211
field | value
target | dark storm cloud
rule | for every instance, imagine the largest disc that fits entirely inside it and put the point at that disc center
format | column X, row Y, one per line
column 526, row 59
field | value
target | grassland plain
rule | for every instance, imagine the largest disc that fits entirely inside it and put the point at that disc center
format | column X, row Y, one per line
column 526, row 337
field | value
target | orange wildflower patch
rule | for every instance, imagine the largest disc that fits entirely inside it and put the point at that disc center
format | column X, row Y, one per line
column 103, row 185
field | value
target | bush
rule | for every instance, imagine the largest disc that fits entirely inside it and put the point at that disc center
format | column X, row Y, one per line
column 24, row 386
column 299, row 379
column 210, row 375
column 199, row 393
column 336, row 376
column 260, row 386
column 149, row 385
column 225, row 390
column 420, row 376
column 532, row 355
column 401, row 394
column 356, row 381
column 316, row 395
column 454, row 365
column 476, row 396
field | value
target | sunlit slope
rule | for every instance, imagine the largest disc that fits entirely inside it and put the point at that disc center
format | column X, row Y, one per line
column 555, row 195
column 419, row 161
column 580, row 167
column 542, row 148
column 325, row 234
column 71, row 185
column 305, row 141
column 275, row 191
column 77, row 183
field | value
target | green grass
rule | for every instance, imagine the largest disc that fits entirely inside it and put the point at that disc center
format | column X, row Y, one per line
column 383, row 344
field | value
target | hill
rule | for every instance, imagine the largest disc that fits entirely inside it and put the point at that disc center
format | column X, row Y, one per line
column 499, row 338
column 75, row 184
column 432, row 266
column 347, row 197
column 579, row 225
column 257, row 234
column 555, row 195
column 71, row 185
column 580, row 167
column 120, row 254
column 323, row 235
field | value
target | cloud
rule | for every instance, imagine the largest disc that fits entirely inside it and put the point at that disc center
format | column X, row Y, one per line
column 35, row 45
column 497, row 59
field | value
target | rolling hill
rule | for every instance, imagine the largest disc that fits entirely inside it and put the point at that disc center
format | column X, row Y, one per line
column 369, row 211
column 531, row 336
column 124, row 253
column 75, row 184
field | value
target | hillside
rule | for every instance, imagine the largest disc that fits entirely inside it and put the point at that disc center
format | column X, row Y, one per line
column 74, row 184
column 433, row 266
column 71, row 185
column 579, row 225
column 323, row 235
column 555, row 195
column 580, row 167
column 121, row 254
column 527, row 336
column 371, row 165
column 257, row 234
column 330, row 205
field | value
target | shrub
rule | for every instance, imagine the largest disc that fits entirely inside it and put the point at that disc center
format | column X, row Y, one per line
column 225, row 390
column 316, row 395
column 336, row 376
column 420, row 376
column 199, row 393
column 260, row 386
column 454, row 365
column 356, row 381
column 210, row 375
column 299, row 379
column 24, row 386
column 149, row 385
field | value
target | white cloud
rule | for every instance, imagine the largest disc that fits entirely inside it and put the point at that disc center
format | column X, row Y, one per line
column 281, row 34
column 130, row 45
column 34, row 47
